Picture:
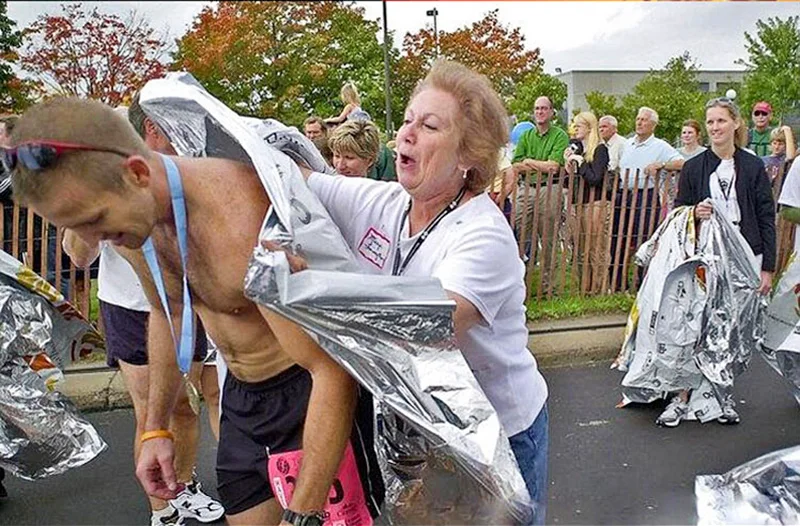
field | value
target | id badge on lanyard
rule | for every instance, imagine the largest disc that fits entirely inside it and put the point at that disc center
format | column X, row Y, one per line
column 184, row 346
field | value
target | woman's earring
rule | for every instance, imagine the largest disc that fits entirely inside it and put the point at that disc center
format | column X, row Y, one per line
column 464, row 175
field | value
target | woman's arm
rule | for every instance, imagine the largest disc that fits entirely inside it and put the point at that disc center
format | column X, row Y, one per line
column 765, row 215
column 465, row 316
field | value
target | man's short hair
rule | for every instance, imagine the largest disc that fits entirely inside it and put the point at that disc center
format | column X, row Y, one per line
column 315, row 119
column 360, row 138
column 653, row 113
column 610, row 119
column 74, row 120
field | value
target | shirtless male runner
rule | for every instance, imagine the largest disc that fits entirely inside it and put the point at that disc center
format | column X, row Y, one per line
column 83, row 167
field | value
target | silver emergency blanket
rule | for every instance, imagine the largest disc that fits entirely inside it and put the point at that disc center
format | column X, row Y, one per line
column 762, row 491
column 41, row 431
column 444, row 456
column 782, row 326
column 697, row 316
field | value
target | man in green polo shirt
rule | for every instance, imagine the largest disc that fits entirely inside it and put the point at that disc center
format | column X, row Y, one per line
column 540, row 152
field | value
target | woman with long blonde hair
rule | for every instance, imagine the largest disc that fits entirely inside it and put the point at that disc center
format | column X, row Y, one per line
column 587, row 163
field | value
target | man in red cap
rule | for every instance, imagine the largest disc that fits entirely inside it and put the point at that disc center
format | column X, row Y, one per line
column 758, row 137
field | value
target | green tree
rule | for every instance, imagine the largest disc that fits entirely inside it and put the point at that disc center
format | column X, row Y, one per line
column 673, row 92
column 15, row 93
column 285, row 60
column 773, row 65
column 536, row 84
column 607, row 104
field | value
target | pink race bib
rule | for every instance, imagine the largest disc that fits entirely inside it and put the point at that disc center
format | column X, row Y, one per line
column 346, row 506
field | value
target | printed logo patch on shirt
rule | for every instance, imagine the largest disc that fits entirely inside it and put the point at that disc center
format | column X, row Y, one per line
column 374, row 247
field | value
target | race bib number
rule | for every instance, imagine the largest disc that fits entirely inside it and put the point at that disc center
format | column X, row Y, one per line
column 346, row 506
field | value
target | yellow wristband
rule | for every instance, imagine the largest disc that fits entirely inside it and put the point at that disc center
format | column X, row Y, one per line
column 158, row 433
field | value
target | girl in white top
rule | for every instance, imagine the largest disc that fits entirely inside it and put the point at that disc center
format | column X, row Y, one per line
column 439, row 222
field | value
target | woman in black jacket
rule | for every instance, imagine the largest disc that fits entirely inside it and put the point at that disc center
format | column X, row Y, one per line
column 727, row 180
column 588, row 157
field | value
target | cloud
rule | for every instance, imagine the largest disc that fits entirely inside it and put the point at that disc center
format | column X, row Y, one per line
column 571, row 35
column 713, row 33
column 171, row 20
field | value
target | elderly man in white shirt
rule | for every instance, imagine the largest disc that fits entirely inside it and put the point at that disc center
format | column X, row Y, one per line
column 613, row 140
column 643, row 158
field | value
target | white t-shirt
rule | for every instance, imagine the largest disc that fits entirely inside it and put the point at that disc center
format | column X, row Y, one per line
column 474, row 254
column 790, row 194
column 117, row 282
column 722, row 186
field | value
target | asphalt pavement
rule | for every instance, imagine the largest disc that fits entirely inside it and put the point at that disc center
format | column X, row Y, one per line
column 607, row 465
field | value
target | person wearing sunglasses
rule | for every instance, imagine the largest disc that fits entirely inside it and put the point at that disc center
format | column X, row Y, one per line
column 83, row 167
column 124, row 310
column 729, row 181
column 758, row 137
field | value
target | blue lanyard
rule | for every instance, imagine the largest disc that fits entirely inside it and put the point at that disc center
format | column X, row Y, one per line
column 184, row 349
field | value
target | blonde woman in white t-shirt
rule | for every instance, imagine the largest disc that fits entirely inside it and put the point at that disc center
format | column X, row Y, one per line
column 439, row 221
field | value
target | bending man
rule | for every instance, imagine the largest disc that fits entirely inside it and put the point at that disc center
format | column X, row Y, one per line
column 282, row 393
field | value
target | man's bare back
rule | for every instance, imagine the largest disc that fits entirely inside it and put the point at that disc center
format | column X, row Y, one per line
column 226, row 205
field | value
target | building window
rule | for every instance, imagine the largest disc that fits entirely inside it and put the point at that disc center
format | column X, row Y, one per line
column 704, row 87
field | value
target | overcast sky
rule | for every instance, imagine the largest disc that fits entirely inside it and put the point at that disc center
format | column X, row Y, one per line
column 571, row 35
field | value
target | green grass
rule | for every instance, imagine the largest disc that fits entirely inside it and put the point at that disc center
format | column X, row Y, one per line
column 94, row 304
column 573, row 306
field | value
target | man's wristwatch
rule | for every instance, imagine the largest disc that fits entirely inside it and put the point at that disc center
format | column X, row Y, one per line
column 314, row 518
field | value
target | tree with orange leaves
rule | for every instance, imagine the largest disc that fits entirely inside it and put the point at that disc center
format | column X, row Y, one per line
column 488, row 47
column 92, row 54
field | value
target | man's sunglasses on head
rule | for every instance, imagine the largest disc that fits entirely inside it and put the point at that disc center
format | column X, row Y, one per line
column 760, row 113
column 36, row 156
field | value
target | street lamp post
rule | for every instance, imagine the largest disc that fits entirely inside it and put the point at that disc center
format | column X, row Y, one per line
column 387, row 83
column 434, row 13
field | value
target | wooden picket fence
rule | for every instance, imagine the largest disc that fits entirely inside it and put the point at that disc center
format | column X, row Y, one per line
column 32, row 240
column 576, row 246
column 571, row 246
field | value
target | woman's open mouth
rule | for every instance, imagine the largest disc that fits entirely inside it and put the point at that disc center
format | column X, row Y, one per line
column 406, row 161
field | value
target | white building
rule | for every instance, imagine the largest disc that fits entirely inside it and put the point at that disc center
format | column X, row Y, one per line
column 621, row 82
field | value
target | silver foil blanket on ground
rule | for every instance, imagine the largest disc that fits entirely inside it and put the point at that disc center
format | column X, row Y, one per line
column 763, row 491
column 443, row 453
column 41, row 431
column 697, row 317
column 782, row 331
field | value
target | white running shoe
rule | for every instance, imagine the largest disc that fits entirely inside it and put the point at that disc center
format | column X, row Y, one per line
column 674, row 413
column 169, row 516
column 729, row 415
column 192, row 503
